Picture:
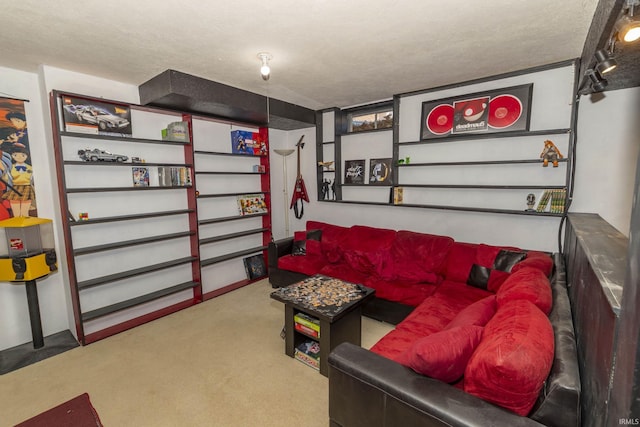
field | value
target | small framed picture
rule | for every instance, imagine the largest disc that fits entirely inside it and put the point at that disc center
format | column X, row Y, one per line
column 354, row 171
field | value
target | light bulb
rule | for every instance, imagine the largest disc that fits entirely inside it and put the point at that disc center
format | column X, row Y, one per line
column 265, row 70
column 632, row 35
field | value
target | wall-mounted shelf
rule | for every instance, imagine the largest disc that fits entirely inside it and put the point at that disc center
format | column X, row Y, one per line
column 130, row 217
column 476, row 136
column 118, row 138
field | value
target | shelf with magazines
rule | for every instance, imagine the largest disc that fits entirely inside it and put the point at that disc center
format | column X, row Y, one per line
column 132, row 255
column 231, row 163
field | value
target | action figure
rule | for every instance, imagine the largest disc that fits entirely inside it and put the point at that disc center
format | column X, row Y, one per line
column 325, row 189
column 550, row 153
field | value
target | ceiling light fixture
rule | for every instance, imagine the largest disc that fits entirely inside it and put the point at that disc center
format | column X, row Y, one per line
column 604, row 61
column 265, row 70
column 628, row 27
column 598, row 84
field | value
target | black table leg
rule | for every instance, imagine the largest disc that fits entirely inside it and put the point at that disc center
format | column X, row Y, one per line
column 34, row 314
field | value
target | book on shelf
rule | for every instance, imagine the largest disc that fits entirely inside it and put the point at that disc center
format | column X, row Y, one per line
column 140, row 176
column 308, row 352
column 307, row 324
column 174, row 176
column 397, row 195
column 249, row 204
column 558, row 198
column 543, row 201
column 255, row 266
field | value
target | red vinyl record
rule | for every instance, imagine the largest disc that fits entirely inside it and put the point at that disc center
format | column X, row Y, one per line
column 440, row 119
column 504, row 111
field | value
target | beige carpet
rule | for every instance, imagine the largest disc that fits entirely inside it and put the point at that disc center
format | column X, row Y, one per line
column 220, row 363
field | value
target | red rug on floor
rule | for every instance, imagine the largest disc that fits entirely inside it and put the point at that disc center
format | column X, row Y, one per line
column 77, row 412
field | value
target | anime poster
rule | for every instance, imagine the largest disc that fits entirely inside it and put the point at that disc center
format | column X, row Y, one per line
column 17, row 194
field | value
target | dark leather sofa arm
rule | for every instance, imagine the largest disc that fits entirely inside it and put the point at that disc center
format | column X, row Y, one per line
column 279, row 248
column 280, row 278
column 368, row 390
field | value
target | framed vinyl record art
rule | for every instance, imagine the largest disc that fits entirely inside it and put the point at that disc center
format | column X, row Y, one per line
column 499, row 110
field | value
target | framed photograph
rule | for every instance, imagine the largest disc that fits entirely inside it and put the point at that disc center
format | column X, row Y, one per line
column 380, row 172
column 499, row 110
column 99, row 118
column 354, row 171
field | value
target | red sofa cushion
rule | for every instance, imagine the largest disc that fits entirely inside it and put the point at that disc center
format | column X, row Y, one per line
column 443, row 355
column 478, row 313
column 306, row 242
column 363, row 247
column 343, row 271
column 330, row 240
column 415, row 257
column 528, row 284
column 535, row 259
column 408, row 293
column 308, row 264
column 395, row 343
column 513, row 359
column 482, row 266
column 437, row 311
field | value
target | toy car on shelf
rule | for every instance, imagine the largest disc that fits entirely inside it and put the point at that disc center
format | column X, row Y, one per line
column 97, row 155
column 99, row 116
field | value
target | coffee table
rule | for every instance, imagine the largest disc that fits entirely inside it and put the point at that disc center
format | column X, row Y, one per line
column 336, row 304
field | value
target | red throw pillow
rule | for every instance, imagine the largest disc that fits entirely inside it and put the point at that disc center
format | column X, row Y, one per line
column 535, row 259
column 306, row 242
column 528, row 284
column 513, row 359
column 477, row 314
column 443, row 355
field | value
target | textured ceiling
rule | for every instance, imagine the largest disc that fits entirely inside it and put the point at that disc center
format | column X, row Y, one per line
column 326, row 53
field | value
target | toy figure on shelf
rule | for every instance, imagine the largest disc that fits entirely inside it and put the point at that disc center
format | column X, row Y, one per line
column 550, row 153
column 325, row 189
column 333, row 190
column 531, row 202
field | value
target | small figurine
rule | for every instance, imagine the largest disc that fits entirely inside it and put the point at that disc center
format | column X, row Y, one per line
column 326, row 166
column 325, row 189
column 531, row 201
column 333, row 189
column 550, row 153
column 83, row 216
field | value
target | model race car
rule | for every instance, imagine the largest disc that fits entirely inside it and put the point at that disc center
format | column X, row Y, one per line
column 97, row 155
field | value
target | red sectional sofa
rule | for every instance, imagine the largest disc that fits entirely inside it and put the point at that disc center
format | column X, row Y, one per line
column 478, row 328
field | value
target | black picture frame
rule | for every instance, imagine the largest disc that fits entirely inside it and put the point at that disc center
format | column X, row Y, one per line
column 381, row 171
column 354, row 171
column 492, row 111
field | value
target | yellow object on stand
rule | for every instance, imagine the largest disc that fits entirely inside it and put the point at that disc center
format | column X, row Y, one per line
column 26, row 249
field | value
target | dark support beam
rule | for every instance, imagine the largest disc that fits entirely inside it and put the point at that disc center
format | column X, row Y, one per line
column 180, row 91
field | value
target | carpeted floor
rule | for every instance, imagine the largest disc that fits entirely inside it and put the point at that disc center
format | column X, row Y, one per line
column 220, row 363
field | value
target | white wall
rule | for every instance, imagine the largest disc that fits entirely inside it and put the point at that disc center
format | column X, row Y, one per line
column 14, row 315
column 53, row 291
column 607, row 156
column 284, row 139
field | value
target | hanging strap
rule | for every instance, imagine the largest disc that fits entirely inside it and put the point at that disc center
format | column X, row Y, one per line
column 298, row 213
